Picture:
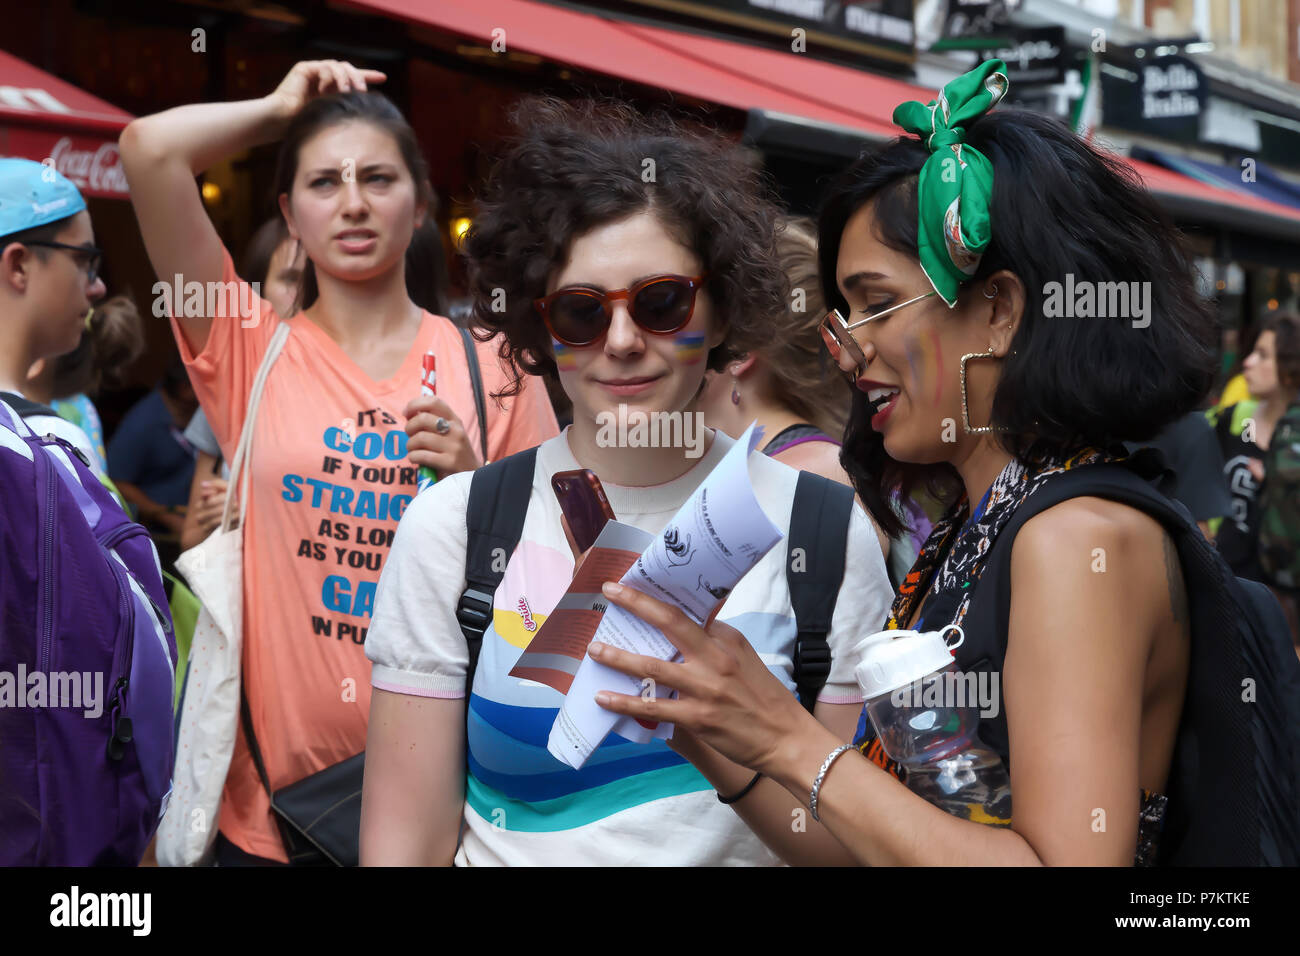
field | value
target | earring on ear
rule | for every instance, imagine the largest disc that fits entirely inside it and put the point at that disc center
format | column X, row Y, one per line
column 735, row 391
column 995, row 292
column 965, row 408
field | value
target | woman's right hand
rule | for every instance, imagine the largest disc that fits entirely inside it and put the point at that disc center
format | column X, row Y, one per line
column 312, row 78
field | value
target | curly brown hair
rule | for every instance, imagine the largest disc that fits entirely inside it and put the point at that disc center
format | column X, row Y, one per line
column 570, row 167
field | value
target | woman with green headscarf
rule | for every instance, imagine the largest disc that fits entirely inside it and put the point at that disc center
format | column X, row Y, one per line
column 1010, row 305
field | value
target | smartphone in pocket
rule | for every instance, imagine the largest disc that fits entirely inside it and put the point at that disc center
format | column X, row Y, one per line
column 583, row 502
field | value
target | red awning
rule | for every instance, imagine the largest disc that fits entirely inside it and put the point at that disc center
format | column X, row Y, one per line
column 44, row 118
column 695, row 66
column 1166, row 182
column 748, row 77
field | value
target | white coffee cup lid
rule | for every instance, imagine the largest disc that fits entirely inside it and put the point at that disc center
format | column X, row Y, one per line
column 894, row 659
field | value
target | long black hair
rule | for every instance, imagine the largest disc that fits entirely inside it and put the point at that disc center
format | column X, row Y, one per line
column 1059, row 208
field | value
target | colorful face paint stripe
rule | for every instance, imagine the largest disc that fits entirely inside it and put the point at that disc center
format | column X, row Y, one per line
column 565, row 360
column 691, row 347
column 938, row 361
column 912, row 345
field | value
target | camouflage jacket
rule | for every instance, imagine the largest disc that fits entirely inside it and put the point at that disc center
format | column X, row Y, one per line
column 1279, row 519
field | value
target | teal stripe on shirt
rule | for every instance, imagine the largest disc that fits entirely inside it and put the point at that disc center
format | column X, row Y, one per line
column 586, row 806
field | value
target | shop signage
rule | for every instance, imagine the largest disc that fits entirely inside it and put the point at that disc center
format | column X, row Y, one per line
column 885, row 23
column 1033, row 55
column 1164, row 96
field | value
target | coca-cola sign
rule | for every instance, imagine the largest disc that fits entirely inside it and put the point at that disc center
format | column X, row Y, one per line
column 97, row 171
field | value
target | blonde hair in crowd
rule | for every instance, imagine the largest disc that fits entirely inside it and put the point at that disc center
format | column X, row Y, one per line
column 803, row 377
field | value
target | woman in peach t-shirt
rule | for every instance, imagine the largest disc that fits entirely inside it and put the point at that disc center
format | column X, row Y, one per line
column 338, row 440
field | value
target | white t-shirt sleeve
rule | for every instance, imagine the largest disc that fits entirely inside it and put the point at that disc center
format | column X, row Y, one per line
column 415, row 643
column 861, row 609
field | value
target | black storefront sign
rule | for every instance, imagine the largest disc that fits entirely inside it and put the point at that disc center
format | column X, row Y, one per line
column 1164, row 96
column 965, row 18
column 1033, row 55
column 886, row 23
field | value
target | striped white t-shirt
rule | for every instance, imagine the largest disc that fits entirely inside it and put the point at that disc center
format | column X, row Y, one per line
column 631, row 804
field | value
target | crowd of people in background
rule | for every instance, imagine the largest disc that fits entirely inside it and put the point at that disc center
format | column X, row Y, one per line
column 353, row 638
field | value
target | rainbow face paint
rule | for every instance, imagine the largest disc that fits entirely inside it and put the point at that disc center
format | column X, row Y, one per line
column 915, row 362
column 565, row 360
column 692, row 347
column 938, row 361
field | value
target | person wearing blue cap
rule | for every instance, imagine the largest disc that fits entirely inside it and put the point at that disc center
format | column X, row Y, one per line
column 49, row 281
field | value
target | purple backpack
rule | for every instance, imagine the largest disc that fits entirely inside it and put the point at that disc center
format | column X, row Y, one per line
column 87, row 659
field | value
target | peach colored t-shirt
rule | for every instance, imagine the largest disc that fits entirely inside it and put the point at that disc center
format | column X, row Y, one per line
column 329, row 480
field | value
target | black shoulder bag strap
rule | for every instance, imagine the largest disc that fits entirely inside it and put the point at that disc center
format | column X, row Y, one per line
column 476, row 382
column 494, row 521
column 814, row 571
column 300, row 849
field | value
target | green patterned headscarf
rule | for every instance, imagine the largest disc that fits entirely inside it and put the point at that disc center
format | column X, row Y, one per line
column 956, row 182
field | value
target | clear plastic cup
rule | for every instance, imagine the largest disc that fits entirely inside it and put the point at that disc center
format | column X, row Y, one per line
column 921, row 722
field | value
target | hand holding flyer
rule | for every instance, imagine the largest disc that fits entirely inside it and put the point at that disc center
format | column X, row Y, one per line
column 708, row 546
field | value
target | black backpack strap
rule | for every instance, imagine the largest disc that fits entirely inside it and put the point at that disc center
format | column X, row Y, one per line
column 814, row 571
column 25, row 407
column 1128, row 483
column 985, row 643
column 494, row 521
column 476, row 383
column 1220, row 785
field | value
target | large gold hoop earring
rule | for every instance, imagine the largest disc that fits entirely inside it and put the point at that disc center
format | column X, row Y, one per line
column 965, row 409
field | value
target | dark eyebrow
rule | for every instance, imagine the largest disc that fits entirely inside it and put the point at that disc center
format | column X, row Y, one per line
column 600, row 288
column 332, row 170
column 655, row 275
column 858, row 278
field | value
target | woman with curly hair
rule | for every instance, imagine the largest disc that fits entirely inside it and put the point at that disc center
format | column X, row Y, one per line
column 623, row 256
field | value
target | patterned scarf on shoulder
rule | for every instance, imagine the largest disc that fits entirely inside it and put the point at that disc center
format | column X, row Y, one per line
column 952, row 559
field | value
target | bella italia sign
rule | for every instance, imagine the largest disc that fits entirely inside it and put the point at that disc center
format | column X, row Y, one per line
column 1171, row 90
column 1163, row 96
